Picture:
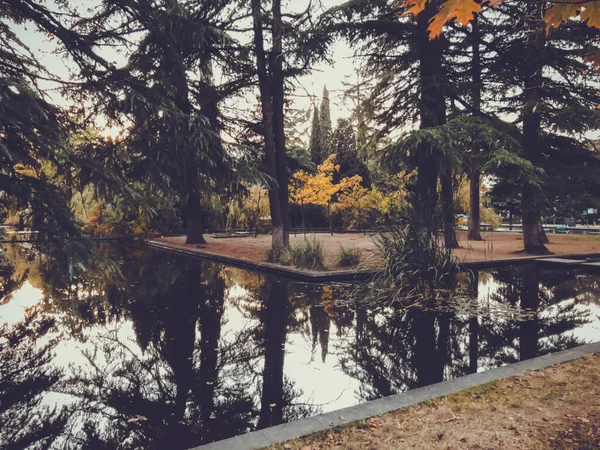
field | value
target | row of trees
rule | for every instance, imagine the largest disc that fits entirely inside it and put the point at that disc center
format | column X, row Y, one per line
column 501, row 97
column 504, row 96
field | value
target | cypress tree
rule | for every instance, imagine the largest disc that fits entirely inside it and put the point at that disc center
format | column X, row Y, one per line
column 326, row 128
column 345, row 147
column 315, row 138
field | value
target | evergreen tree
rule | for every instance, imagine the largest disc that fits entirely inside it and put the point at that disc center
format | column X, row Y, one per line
column 326, row 128
column 344, row 139
column 315, row 138
column 409, row 91
column 554, row 96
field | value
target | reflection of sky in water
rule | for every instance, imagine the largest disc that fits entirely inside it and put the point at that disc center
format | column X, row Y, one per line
column 324, row 385
column 16, row 306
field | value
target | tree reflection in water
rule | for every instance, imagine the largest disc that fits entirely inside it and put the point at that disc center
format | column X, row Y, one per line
column 176, row 352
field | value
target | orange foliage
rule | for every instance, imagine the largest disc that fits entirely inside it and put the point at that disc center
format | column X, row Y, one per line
column 463, row 11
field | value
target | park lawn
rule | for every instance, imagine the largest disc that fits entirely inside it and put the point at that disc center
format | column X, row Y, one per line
column 553, row 408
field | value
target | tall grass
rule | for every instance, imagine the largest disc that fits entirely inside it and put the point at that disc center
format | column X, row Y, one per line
column 308, row 255
column 349, row 257
column 417, row 267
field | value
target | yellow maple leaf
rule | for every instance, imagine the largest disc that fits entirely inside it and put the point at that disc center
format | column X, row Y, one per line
column 462, row 11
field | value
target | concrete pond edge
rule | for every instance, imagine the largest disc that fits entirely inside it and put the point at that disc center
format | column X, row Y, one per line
column 284, row 432
column 274, row 269
column 339, row 275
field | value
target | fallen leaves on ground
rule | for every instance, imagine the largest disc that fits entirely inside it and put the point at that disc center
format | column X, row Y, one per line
column 554, row 408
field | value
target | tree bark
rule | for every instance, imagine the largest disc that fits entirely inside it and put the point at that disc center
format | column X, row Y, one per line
column 278, row 242
column 194, row 220
column 533, row 66
column 450, row 240
column 432, row 111
column 474, row 233
column 276, row 64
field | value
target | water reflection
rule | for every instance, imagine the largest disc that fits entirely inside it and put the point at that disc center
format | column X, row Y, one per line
column 145, row 349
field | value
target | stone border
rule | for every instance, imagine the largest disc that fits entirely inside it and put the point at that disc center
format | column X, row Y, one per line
column 274, row 269
column 337, row 275
column 269, row 436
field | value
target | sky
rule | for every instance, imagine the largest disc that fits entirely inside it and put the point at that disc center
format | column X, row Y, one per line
column 308, row 89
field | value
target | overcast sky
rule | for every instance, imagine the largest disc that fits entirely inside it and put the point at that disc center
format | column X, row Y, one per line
column 308, row 89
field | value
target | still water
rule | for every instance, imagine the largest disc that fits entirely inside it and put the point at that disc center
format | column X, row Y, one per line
column 147, row 349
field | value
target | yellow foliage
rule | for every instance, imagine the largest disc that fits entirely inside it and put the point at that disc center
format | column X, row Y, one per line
column 318, row 189
column 463, row 200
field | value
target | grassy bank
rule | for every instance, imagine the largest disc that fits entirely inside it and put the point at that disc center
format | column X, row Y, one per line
column 553, row 408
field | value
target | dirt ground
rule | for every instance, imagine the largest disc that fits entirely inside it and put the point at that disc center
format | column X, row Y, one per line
column 495, row 246
column 554, row 408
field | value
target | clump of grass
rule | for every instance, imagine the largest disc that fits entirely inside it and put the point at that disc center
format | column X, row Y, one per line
column 274, row 255
column 349, row 257
column 417, row 267
column 308, row 255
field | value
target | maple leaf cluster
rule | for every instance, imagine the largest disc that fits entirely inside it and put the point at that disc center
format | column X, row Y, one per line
column 463, row 12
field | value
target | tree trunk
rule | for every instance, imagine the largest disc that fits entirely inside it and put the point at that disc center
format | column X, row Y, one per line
column 278, row 241
column 510, row 219
column 276, row 64
column 474, row 233
column 474, row 214
column 543, row 234
column 432, row 111
column 329, row 218
column 533, row 66
column 450, row 240
column 194, row 220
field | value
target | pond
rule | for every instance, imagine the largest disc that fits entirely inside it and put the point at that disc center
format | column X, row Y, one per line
column 147, row 349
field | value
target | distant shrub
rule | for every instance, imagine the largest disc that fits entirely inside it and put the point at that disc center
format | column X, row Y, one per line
column 308, row 255
column 349, row 257
column 488, row 215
